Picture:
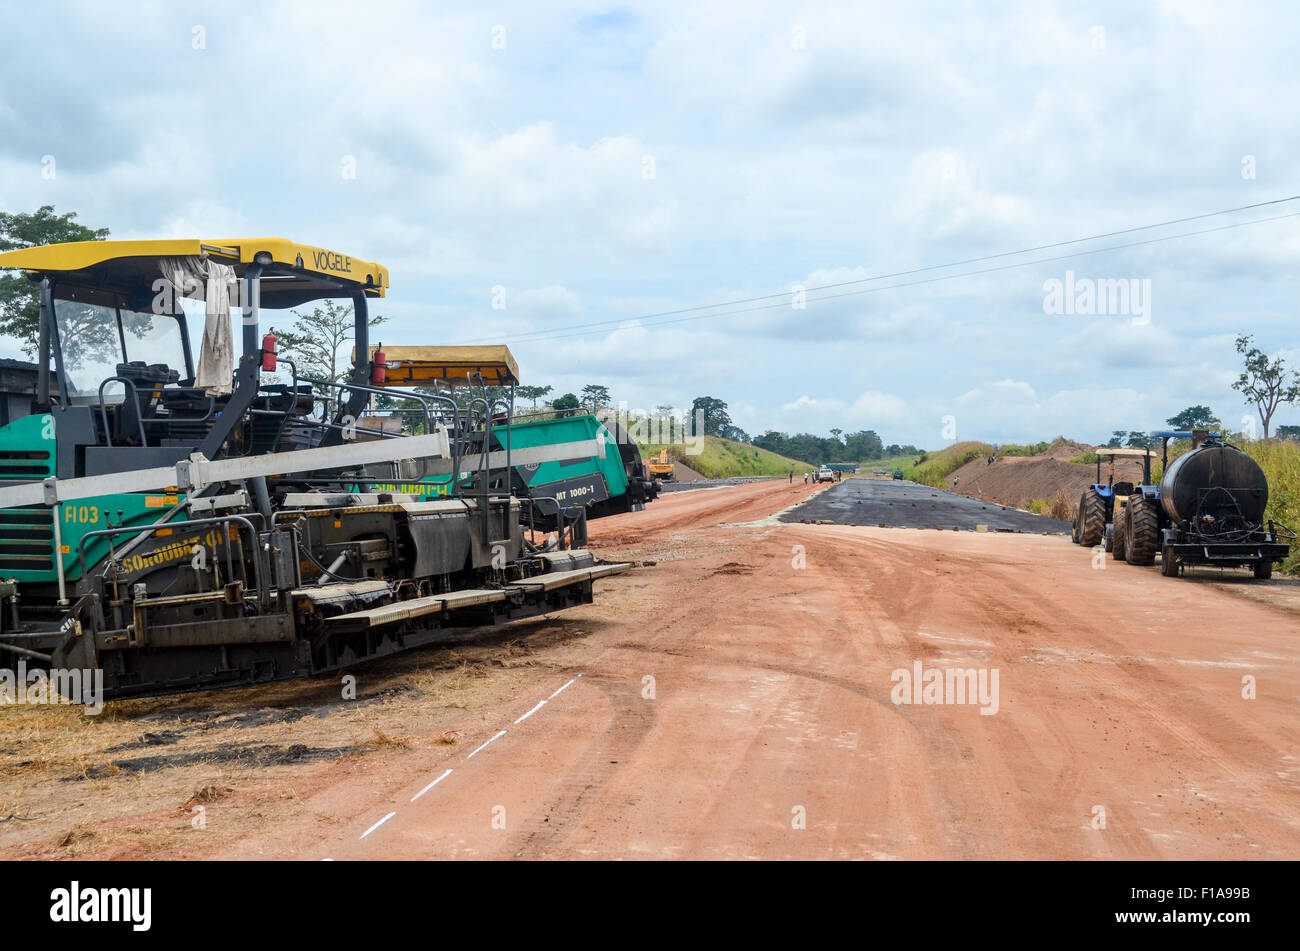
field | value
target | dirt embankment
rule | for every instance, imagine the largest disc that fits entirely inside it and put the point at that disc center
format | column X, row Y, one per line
column 1018, row 480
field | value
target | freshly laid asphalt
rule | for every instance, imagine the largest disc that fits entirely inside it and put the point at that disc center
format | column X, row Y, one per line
column 715, row 483
column 901, row 504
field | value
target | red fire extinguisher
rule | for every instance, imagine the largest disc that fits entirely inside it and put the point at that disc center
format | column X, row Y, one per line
column 268, row 351
column 379, row 367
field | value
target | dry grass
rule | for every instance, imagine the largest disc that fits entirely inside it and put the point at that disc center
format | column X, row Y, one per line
column 122, row 785
column 383, row 739
column 209, row 794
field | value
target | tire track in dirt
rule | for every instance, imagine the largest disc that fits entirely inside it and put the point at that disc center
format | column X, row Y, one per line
column 558, row 820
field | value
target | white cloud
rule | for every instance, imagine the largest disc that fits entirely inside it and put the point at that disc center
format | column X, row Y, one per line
column 895, row 139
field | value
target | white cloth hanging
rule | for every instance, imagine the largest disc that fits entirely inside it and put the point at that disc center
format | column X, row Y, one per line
column 216, row 372
column 202, row 279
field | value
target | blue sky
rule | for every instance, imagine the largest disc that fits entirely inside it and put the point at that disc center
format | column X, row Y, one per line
column 601, row 162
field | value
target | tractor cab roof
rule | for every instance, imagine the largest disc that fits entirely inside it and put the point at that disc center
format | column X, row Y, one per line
column 293, row 274
column 422, row 366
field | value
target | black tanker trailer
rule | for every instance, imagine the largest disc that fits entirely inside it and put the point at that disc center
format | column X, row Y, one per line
column 1208, row 510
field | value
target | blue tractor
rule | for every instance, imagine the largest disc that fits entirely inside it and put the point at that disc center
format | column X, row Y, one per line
column 1095, row 518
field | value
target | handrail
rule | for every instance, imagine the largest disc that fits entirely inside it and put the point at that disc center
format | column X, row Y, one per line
column 561, row 516
column 103, row 409
column 150, row 529
column 424, row 399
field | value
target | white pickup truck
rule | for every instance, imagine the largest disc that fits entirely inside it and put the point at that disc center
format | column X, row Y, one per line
column 825, row 474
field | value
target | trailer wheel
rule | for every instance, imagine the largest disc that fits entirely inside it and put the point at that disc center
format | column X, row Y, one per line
column 1092, row 518
column 1140, row 546
column 1263, row 570
column 1119, row 534
column 1110, row 538
column 1168, row 563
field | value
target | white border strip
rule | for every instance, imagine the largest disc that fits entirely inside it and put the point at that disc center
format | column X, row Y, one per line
column 378, row 824
column 485, row 745
column 430, row 786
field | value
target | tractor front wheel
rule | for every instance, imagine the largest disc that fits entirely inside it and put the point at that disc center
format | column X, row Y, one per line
column 1119, row 534
column 1144, row 532
column 1263, row 570
column 1092, row 518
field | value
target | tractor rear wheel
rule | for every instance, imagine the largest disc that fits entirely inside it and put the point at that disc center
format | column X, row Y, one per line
column 1092, row 518
column 1263, row 570
column 1144, row 532
column 1119, row 534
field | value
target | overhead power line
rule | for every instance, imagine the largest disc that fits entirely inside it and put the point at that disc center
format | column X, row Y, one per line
column 700, row 311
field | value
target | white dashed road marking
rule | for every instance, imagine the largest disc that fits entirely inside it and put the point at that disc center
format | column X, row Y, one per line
column 531, row 712
column 430, row 786
column 378, row 824
column 485, row 745
column 498, row 736
column 561, row 690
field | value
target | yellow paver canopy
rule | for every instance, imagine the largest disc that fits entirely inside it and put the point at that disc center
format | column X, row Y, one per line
column 294, row 273
column 421, row 366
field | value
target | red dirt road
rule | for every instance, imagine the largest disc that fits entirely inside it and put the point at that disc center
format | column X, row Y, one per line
column 733, row 700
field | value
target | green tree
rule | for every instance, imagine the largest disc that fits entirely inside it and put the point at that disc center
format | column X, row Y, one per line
column 595, row 396
column 1265, row 381
column 862, row 445
column 533, row 393
column 317, row 338
column 566, row 405
column 710, row 414
column 20, row 307
column 1291, row 433
column 1194, row 417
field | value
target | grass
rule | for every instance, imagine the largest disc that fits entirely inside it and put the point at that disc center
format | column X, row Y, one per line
column 724, row 459
column 933, row 468
column 1280, row 461
column 1058, row 506
column 1034, row 449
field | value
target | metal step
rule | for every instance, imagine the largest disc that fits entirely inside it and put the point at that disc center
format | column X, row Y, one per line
column 413, row 608
column 453, row 600
column 386, row 614
column 561, row 579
